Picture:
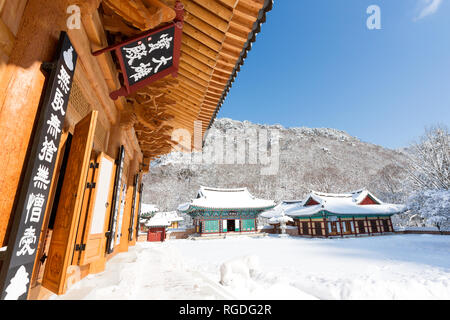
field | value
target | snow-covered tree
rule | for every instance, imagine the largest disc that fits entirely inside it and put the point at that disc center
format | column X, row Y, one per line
column 429, row 172
column 433, row 206
column 389, row 184
column 430, row 160
column 324, row 179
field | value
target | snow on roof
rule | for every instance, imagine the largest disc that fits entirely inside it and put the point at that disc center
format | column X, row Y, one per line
column 214, row 198
column 184, row 206
column 280, row 209
column 157, row 222
column 148, row 208
column 356, row 196
column 344, row 203
column 281, row 219
column 172, row 216
column 163, row 219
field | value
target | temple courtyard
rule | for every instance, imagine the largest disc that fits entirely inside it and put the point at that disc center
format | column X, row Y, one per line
column 382, row 267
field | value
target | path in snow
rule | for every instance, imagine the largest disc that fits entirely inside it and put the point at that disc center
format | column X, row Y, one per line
column 384, row 267
column 147, row 271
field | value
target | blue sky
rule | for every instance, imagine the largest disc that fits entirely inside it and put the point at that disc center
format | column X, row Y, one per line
column 316, row 64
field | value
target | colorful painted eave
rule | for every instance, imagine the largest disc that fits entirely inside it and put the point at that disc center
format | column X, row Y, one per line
column 199, row 208
column 326, row 214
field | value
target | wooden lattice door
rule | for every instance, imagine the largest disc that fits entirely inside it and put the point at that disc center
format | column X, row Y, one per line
column 68, row 212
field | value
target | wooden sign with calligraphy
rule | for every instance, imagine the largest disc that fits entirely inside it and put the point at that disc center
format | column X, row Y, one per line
column 149, row 56
column 23, row 242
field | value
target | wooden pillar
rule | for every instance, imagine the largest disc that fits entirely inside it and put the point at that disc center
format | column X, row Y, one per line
column 310, row 227
column 380, row 224
column 390, row 225
column 368, row 226
column 340, row 227
column 354, row 226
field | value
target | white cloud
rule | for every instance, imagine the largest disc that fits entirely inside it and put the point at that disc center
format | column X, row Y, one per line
column 428, row 7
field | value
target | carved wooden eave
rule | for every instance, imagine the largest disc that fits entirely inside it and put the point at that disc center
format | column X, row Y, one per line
column 142, row 14
column 217, row 34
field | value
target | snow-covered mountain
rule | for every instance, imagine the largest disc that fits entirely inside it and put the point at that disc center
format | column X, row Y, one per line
column 321, row 159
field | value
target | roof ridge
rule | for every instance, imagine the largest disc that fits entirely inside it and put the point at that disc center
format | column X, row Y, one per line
column 223, row 189
column 334, row 195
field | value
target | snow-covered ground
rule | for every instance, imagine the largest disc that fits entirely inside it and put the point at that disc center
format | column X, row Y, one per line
column 385, row 267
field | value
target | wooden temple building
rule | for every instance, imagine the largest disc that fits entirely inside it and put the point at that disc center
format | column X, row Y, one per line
column 160, row 223
column 90, row 92
column 356, row 213
column 221, row 211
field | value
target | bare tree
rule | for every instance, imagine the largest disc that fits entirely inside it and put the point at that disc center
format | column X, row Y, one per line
column 391, row 177
column 323, row 179
column 389, row 183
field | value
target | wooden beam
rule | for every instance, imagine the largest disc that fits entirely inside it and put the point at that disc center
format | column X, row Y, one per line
column 206, row 15
column 243, row 28
column 186, row 50
column 216, row 8
column 184, row 108
column 136, row 12
column 231, row 49
column 191, row 90
column 212, row 94
column 229, row 3
column 201, row 37
column 200, row 74
column 192, row 76
column 206, row 28
column 184, row 95
column 188, row 82
column 196, row 64
column 11, row 14
column 199, row 46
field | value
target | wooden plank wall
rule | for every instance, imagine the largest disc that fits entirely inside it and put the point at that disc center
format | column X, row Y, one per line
column 11, row 12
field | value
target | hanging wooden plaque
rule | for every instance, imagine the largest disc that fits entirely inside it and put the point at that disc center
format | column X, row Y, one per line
column 150, row 56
